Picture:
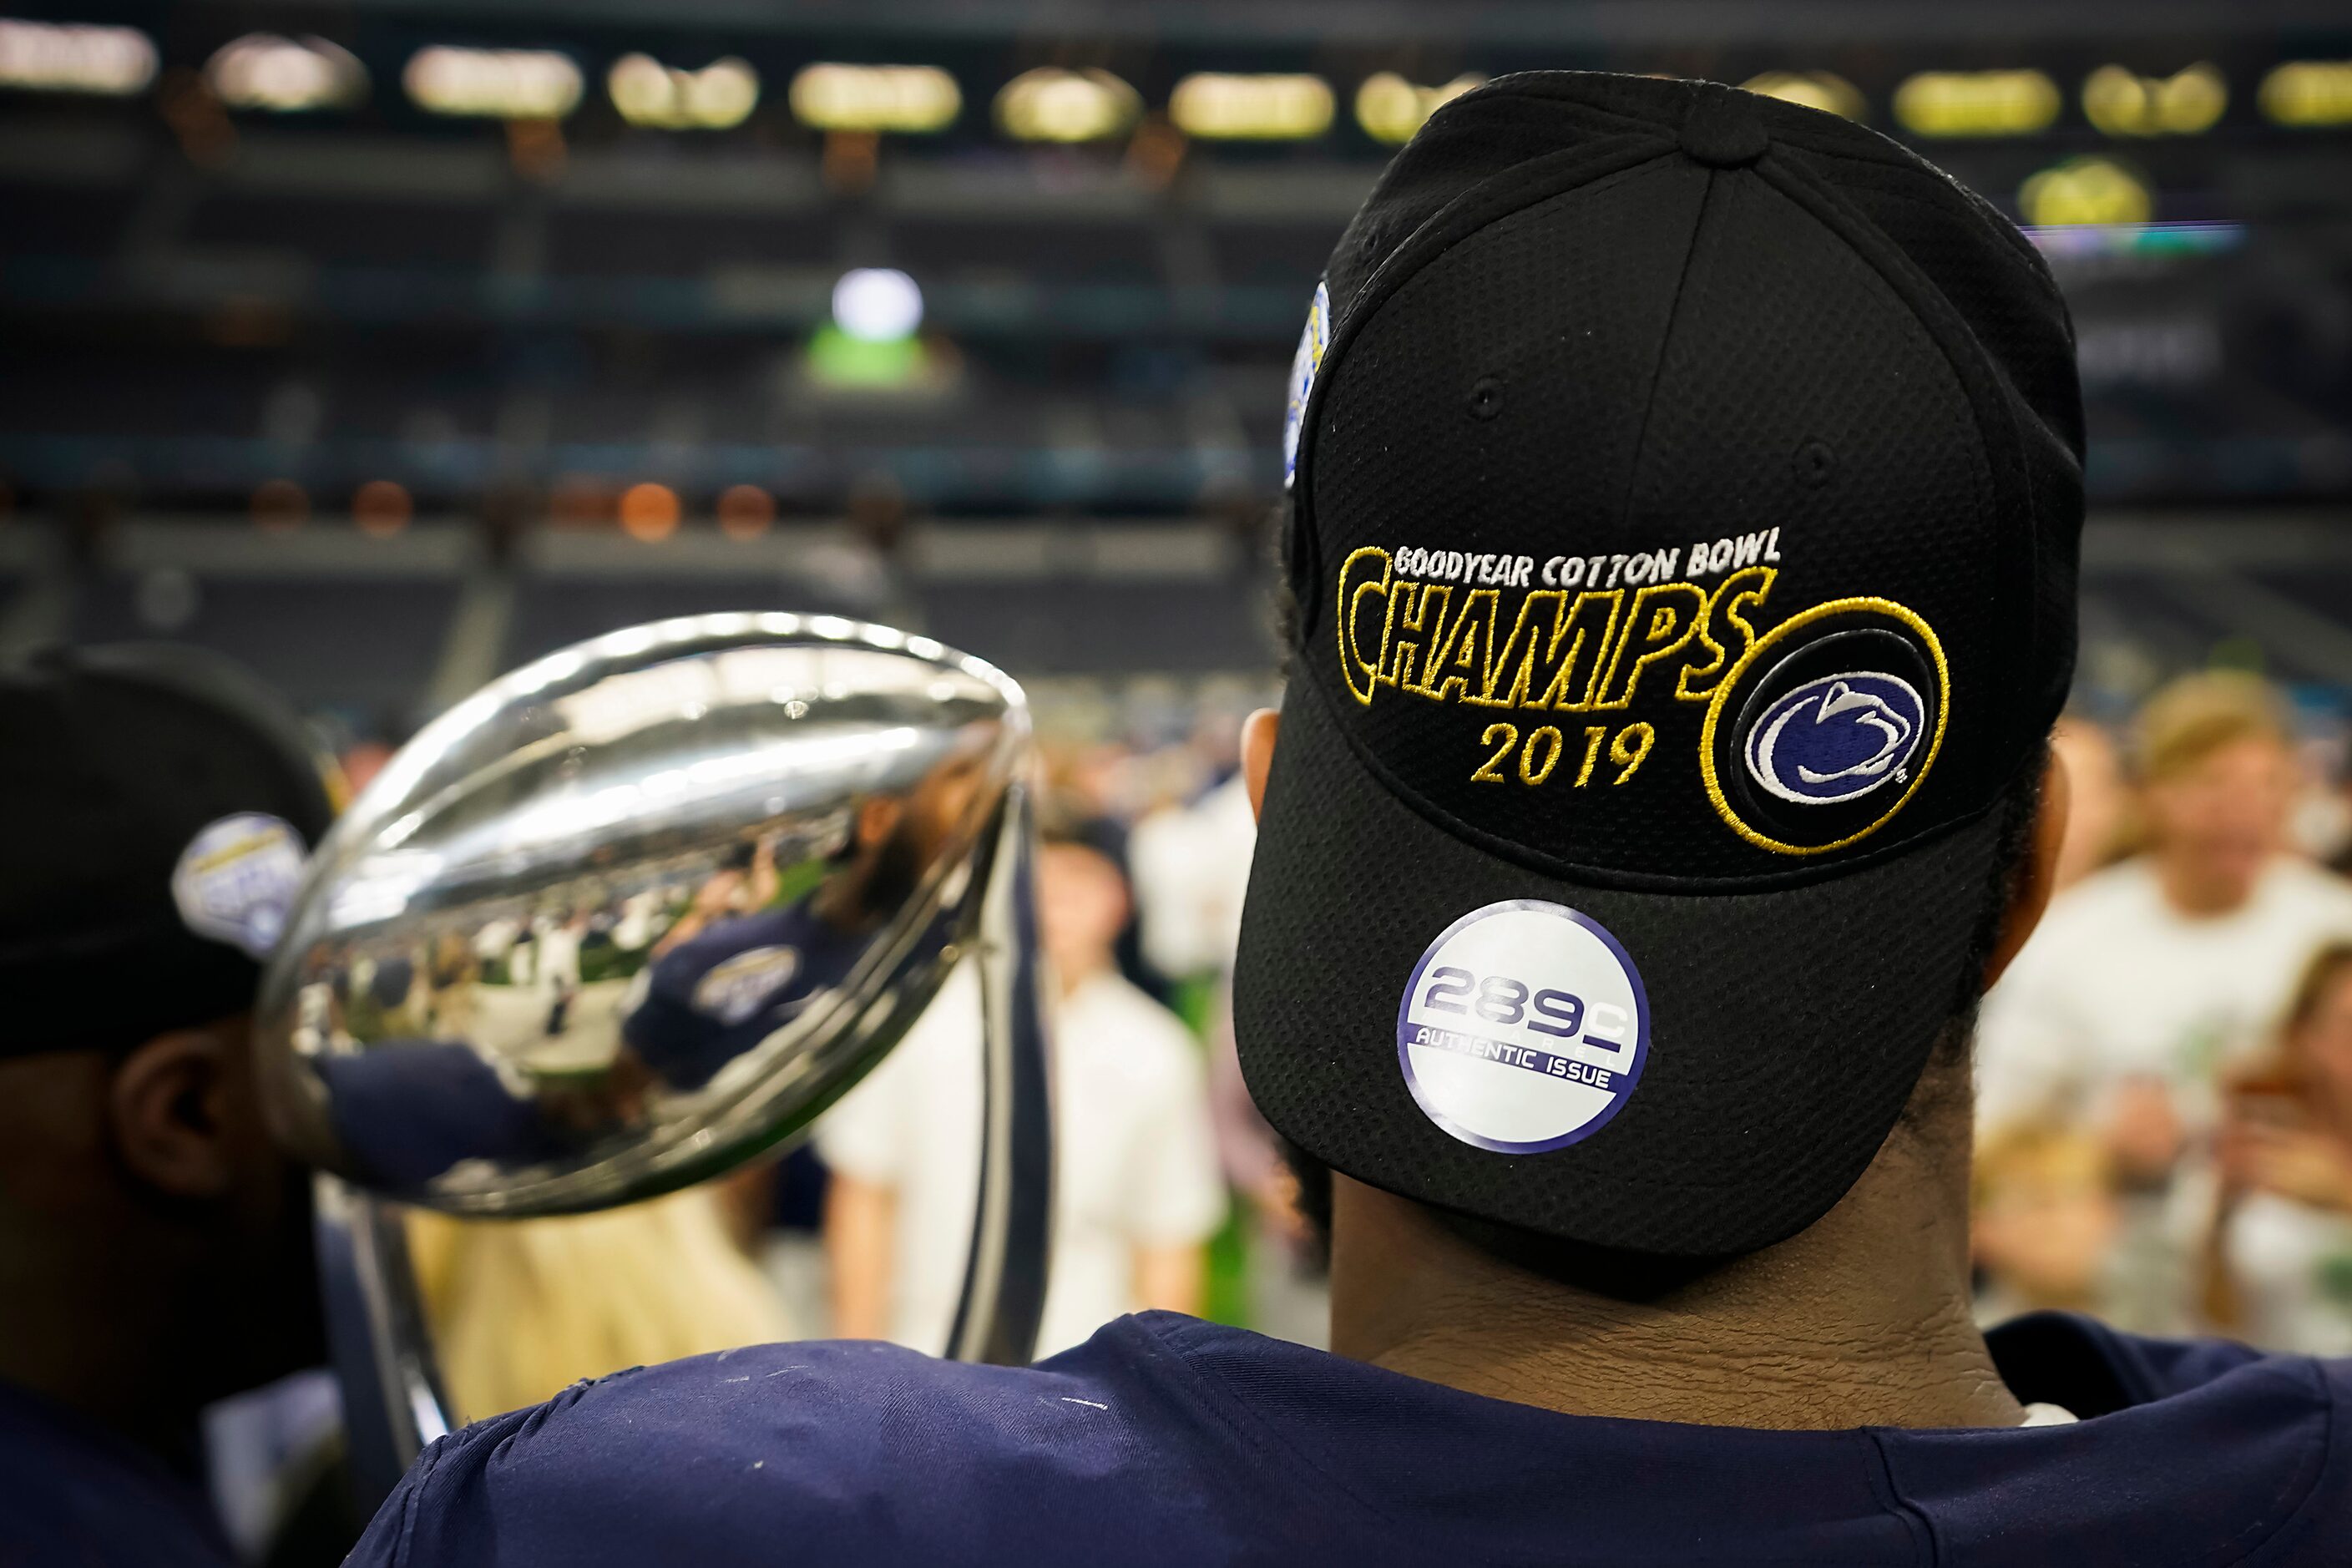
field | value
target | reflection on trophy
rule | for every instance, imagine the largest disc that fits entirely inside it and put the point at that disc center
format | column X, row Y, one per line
column 628, row 916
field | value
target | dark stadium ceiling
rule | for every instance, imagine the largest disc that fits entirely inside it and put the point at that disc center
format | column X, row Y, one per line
column 1466, row 23
column 511, row 317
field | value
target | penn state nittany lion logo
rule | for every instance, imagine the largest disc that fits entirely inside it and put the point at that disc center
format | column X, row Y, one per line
column 1837, row 738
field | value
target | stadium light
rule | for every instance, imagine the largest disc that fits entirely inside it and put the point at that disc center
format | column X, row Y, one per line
column 1392, row 109
column 2309, row 93
column 1824, row 90
column 878, row 304
column 1051, row 104
column 279, row 504
column 1977, row 103
column 1219, row 107
column 649, row 511
column 506, row 84
column 745, row 512
column 48, row 57
column 719, row 96
column 382, row 506
column 913, row 100
column 285, row 76
column 2124, row 103
column 2088, row 190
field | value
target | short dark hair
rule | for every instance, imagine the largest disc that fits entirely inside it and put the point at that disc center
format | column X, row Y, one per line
column 1943, row 1091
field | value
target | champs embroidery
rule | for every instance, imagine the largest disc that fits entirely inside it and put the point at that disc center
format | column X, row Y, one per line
column 1562, row 648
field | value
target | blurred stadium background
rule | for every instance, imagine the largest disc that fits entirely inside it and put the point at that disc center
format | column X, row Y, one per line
column 386, row 343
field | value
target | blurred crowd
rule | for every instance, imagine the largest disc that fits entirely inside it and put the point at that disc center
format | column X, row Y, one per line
column 2164, row 1074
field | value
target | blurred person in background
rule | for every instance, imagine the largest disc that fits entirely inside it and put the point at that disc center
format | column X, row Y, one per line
column 361, row 761
column 2097, row 800
column 155, row 1245
column 1137, row 1191
column 1192, row 869
column 2149, row 977
column 2283, row 1226
column 2043, row 1217
column 1289, row 1274
column 522, row 1309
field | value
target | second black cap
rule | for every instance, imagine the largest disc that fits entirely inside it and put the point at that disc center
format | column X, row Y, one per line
column 156, row 804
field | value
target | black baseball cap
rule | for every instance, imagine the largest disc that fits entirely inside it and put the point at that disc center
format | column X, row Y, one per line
column 156, row 804
column 1685, row 509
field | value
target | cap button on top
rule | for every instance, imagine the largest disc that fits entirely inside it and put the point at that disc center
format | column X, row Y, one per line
column 1723, row 130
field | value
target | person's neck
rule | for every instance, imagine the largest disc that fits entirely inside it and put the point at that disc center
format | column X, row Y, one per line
column 1862, row 1319
column 2193, row 891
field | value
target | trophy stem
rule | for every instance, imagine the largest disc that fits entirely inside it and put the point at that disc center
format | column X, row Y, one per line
column 1004, row 1284
column 377, row 1337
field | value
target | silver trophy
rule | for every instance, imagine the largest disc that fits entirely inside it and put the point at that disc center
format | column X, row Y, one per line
column 631, row 915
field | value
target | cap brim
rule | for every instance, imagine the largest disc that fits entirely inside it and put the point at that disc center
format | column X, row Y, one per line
column 1786, row 1028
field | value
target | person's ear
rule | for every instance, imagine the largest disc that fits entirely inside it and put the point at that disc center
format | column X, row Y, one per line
column 2037, row 879
column 167, row 1108
column 1258, row 732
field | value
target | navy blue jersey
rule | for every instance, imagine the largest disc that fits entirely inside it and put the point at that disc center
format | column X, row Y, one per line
column 73, row 1493
column 1166, row 1440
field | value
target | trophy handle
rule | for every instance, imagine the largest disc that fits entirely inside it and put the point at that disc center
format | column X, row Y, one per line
column 1011, row 1234
column 393, row 1402
column 376, row 1337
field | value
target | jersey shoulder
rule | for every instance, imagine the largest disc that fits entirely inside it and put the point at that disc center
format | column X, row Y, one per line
column 830, row 1452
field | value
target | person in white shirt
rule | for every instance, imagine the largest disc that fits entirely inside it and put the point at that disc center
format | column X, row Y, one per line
column 2096, row 800
column 2149, row 975
column 2284, row 1226
column 1191, row 868
column 2149, row 978
column 1137, row 1188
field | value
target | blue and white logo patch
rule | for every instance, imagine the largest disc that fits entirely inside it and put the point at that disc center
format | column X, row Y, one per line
column 1837, row 738
column 1524, row 1027
column 237, row 879
column 1303, row 368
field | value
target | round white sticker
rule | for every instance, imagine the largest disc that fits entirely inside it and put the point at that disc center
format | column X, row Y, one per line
column 1524, row 1027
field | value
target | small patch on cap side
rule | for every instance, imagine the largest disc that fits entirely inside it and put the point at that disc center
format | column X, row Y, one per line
column 1523, row 1028
column 237, row 879
column 1312, row 341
